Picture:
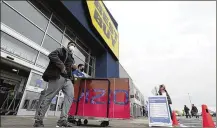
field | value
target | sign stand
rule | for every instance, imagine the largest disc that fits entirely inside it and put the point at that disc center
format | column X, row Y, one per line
column 159, row 113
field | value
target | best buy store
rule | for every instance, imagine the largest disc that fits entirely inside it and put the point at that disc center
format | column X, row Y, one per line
column 30, row 30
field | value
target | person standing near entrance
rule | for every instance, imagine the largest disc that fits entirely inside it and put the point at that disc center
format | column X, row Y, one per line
column 79, row 72
column 59, row 77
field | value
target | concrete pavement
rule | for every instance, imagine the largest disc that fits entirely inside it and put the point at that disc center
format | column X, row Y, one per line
column 193, row 122
column 21, row 122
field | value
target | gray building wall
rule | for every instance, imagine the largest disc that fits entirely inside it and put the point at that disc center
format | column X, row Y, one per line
column 135, row 105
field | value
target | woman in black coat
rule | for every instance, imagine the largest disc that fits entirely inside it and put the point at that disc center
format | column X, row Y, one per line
column 163, row 91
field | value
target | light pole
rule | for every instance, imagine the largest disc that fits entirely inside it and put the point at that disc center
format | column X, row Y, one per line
column 189, row 98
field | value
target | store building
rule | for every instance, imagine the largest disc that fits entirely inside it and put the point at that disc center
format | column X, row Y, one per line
column 136, row 98
column 30, row 30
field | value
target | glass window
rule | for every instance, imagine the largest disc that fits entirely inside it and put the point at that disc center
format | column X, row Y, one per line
column 26, row 104
column 17, row 48
column 34, row 104
column 38, row 4
column 86, row 68
column 58, row 23
column 20, row 24
column 79, row 54
column 82, row 47
column 54, row 31
column 37, row 81
column 92, row 62
column 42, row 61
column 31, row 100
column 29, row 12
column 91, row 71
column 50, row 44
column 66, row 40
column 60, row 104
column 70, row 34
column 78, row 60
column 53, row 103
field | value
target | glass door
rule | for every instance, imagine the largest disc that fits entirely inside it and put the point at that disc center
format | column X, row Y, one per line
column 59, row 103
column 52, row 109
column 30, row 100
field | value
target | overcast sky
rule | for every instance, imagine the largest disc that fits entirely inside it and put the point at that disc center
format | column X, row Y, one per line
column 171, row 43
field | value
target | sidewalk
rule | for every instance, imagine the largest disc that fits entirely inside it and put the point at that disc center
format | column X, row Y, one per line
column 21, row 122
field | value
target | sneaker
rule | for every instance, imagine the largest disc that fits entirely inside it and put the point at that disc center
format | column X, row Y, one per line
column 64, row 123
column 38, row 123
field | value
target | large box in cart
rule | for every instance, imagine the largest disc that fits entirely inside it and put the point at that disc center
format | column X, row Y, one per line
column 101, row 98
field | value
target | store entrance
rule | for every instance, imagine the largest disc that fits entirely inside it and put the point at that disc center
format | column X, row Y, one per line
column 13, row 78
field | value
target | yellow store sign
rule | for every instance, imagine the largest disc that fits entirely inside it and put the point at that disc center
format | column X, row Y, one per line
column 104, row 25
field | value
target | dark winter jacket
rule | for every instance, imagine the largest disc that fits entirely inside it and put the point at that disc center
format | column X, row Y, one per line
column 186, row 109
column 56, row 64
column 168, row 97
column 194, row 109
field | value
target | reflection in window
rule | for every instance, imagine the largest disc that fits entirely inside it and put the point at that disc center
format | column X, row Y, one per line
column 17, row 48
column 37, row 81
column 42, row 61
column 30, row 98
column 50, row 44
column 34, row 104
column 16, row 22
column 26, row 9
column 26, row 104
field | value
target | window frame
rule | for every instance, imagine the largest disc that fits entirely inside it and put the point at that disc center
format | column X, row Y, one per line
column 79, row 43
column 23, row 16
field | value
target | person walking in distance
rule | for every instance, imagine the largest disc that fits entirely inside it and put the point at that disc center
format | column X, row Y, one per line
column 162, row 91
column 58, row 75
column 194, row 111
column 187, row 114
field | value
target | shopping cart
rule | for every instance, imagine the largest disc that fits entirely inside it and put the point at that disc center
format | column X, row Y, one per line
column 78, row 112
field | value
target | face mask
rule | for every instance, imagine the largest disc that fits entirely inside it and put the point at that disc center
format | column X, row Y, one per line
column 71, row 48
column 82, row 69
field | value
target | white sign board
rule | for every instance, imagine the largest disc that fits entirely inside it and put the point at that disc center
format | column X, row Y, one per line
column 158, row 111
